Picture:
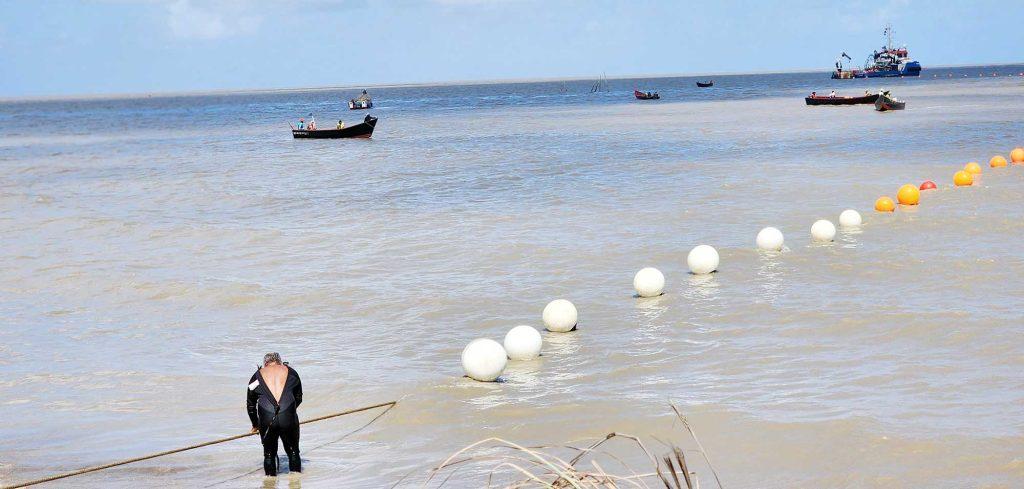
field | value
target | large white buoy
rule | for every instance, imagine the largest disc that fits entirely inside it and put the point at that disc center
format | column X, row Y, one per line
column 649, row 282
column 484, row 360
column 850, row 219
column 823, row 230
column 702, row 259
column 770, row 239
column 560, row 316
column 523, row 343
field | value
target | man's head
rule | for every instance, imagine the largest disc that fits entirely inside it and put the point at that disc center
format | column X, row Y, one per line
column 271, row 358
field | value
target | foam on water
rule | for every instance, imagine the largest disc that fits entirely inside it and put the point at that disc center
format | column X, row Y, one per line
column 155, row 249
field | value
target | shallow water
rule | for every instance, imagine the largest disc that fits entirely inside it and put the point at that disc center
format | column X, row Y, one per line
column 155, row 248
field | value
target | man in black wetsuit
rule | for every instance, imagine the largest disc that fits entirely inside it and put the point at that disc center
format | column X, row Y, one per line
column 275, row 392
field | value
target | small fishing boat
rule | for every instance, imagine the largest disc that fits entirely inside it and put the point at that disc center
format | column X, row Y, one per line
column 888, row 102
column 646, row 95
column 709, row 83
column 362, row 130
column 829, row 100
column 360, row 104
column 363, row 101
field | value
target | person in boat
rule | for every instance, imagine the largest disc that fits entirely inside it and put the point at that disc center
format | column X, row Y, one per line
column 814, row 94
column 341, row 124
column 833, row 94
column 274, row 395
column 302, row 124
column 312, row 124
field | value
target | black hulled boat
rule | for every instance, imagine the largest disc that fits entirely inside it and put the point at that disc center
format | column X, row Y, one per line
column 362, row 130
column 710, row 83
column 827, row 100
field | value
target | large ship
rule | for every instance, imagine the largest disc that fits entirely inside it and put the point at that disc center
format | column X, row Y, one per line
column 889, row 62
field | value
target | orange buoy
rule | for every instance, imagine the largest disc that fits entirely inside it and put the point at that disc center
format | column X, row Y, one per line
column 928, row 185
column 908, row 195
column 997, row 161
column 884, row 204
column 973, row 168
column 1017, row 156
column 962, row 178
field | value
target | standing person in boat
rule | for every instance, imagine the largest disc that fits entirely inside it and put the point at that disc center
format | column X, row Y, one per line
column 302, row 124
column 341, row 124
column 275, row 393
column 833, row 94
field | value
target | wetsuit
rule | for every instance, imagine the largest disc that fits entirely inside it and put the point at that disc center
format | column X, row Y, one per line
column 276, row 419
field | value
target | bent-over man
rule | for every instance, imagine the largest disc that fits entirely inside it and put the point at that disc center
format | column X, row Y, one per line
column 275, row 393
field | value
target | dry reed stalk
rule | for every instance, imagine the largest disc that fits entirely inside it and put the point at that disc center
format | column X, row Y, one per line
column 539, row 468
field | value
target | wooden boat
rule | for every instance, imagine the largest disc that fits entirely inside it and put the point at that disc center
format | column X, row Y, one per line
column 362, row 130
column 887, row 102
column 710, row 83
column 826, row 100
column 646, row 96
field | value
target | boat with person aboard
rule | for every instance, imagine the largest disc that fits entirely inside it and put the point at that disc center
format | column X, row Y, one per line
column 362, row 130
column 815, row 99
column 709, row 83
column 887, row 102
column 646, row 95
column 363, row 101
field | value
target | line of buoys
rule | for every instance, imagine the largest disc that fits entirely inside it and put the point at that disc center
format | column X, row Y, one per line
column 649, row 282
column 908, row 195
column 702, row 260
column 485, row 360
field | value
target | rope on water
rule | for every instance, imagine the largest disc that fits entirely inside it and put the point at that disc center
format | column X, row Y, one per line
column 179, row 450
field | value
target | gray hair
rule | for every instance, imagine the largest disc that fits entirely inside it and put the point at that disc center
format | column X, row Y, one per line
column 270, row 358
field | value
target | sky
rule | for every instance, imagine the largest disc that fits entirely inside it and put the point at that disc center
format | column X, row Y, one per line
column 64, row 47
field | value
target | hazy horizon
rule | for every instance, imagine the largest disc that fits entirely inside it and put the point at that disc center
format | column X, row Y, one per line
column 115, row 47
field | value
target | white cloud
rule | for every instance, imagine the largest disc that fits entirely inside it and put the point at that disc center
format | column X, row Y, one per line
column 213, row 20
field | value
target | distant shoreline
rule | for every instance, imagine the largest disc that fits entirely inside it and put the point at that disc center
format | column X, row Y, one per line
column 252, row 91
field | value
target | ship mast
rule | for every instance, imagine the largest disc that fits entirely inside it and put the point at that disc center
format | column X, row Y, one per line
column 888, row 34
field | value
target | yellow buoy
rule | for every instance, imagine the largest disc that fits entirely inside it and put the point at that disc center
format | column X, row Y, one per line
column 997, row 161
column 908, row 195
column 884, row 204
column 1017, row 155
column 973, row 168
column 962, row 178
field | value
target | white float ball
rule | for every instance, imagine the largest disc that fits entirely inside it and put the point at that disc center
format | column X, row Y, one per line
column 649, row 282
column 823, row 230
column 560, row 316
column 484, row 360
column 850, row 219
column 702, row 259
column 770, row 239
column 523, row 343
